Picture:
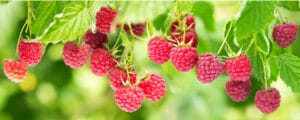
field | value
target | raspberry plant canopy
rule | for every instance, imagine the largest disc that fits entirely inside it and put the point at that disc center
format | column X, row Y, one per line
column 259, row 44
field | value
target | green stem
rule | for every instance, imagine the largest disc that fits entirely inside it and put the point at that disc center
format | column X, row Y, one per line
column 229, row 30
column 29, row 17
column 280, row 16
column 251, row 43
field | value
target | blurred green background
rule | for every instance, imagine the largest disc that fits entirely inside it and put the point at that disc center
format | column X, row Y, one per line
column 53, row 91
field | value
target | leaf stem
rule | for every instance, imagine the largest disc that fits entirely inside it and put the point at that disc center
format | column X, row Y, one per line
column 229, row 30
column 249, row 46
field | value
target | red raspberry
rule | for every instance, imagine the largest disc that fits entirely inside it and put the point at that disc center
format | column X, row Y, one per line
column 208, row 67
column 15, row 70
column 101, row 62
column 129, row 99
column 189, row 22
column 95, row 40
column 285, row 34
column 137, row 29
column 238, row 90
column 267, row 101
column 159, row 49
column 75, row 56
column 104, row 19
column 238, row 68
column 188, row 36
column 30, row 52
column 118, row 76
column 154, row 87
column 183, row 58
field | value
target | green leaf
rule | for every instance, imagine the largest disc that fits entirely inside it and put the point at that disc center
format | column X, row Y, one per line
column 74, row 23
column 185, row 6
column 44, row 13
column 256, row 16
column 257, row 60
column 204, row 11
column 290, row 5
column 273, row 69
column 137, row 12
column 289, row 69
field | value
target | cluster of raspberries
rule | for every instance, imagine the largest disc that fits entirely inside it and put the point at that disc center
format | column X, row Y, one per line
column 181, row 51
column 128, row 91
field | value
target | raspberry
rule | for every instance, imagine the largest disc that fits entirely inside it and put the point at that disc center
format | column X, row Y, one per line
column 189, row 22
column 129, row 99
column 267, row 101
column 154, row 87
column 183, row 58
column 285, row 34
column 104, row 19
column 187, row 37
column 238, row 90
column 15, row 70
column 30, row 52
column 159, row 49
column 75, row 56
column 95, row 40
column 238, row 68
column 101, row 62
column 118, row 76
column 208, row 68
column 137, row 29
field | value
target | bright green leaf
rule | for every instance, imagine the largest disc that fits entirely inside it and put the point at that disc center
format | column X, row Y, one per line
column 255, row 17
column 74, row 22
column 137, row 12
column 204, row 10
column 290, row 5
column 289, row 67
column 44, row 13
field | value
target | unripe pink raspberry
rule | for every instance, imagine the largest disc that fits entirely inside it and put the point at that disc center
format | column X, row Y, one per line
column 238, row 90
column 285, row 34
column 129, row 99
column 267, row 101
column 154, row 87
column 208, row 67
column 238, row 68
column 159, row 49
column 15, row 70
column 30, row 52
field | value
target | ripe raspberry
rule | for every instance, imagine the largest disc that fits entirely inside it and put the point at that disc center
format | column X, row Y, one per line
column 15, row 70
column 104, row 19
column 75, row 56
column 137, row 29
column 187, row 37
column 238, row 68
column 154, row 87
column 285, row 34
column 129, row 99
column 238, row 90
column 189, row 22
column 267, row 101
column 208, row 68
column 118, row 76
column 183, row 58
column 101, row 62
column 30, row 52
column 95, row 40
column 159, row 49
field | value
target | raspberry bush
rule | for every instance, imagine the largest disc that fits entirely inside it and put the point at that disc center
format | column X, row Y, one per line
column 150, row 53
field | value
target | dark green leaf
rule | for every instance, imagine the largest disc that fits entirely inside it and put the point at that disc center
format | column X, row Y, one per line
column 256, row 16
column 75, row 20
column 289, row 67
column 137, row 12
column 205, row 10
